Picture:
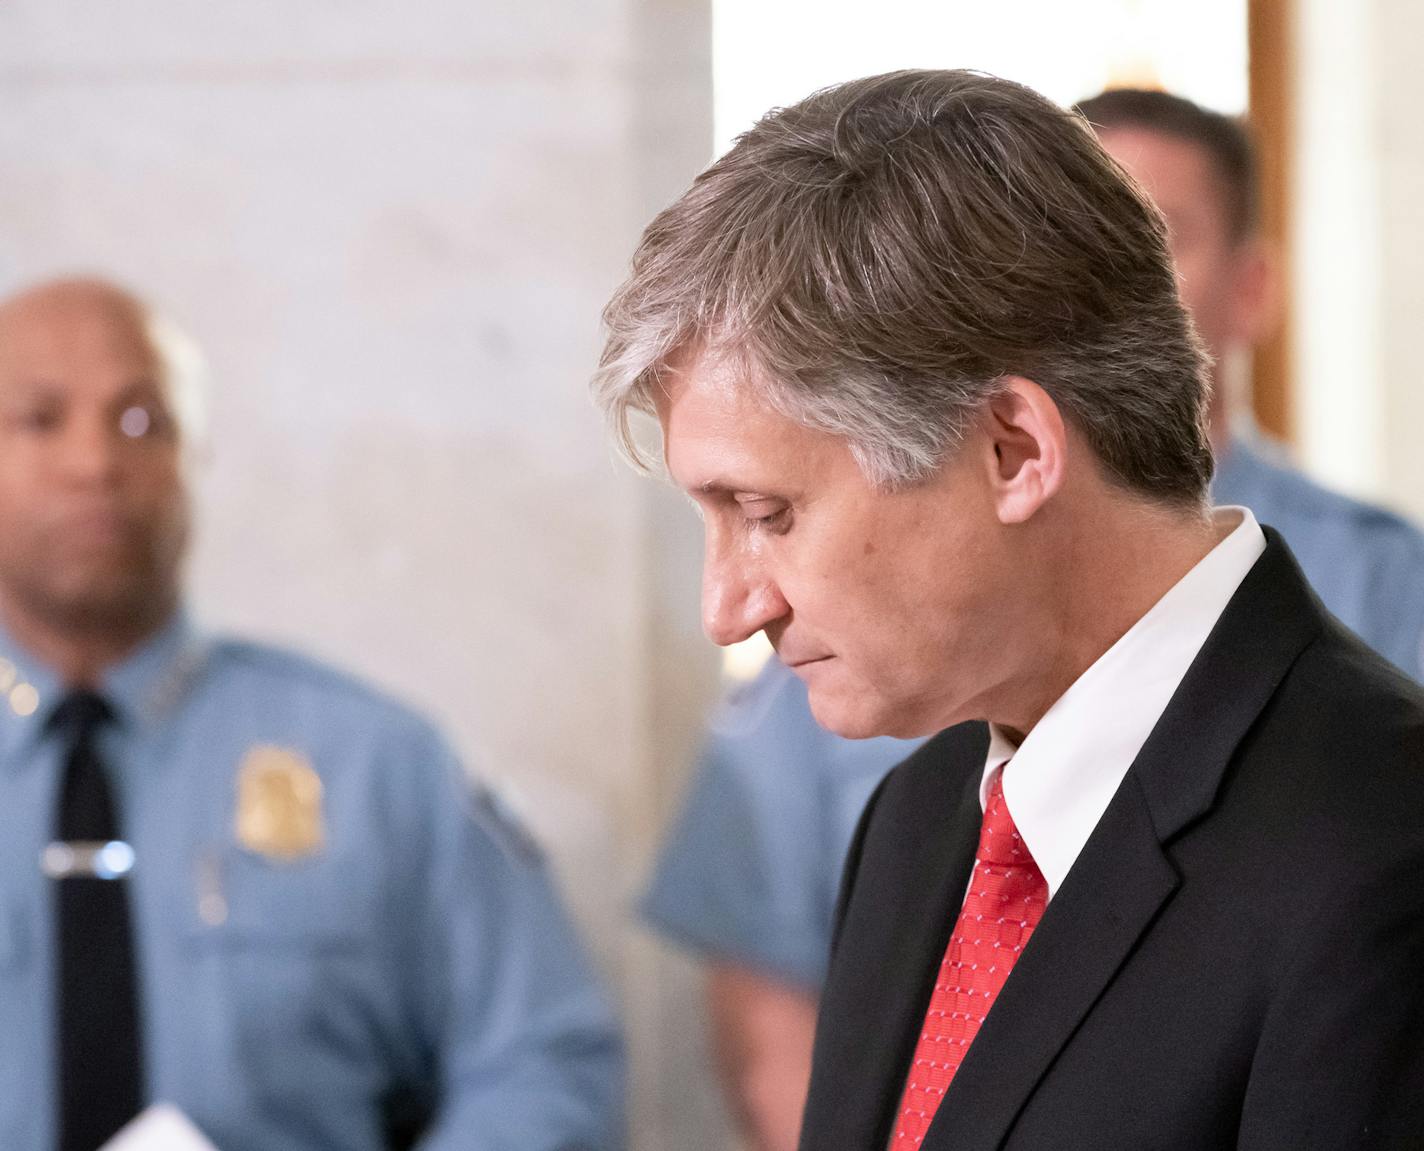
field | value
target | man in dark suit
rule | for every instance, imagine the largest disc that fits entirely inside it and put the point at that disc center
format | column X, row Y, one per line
column 918, row 357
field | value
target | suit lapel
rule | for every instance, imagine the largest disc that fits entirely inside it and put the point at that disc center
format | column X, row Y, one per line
column 1269, row 621
column 905, row 881
column 1123, row 876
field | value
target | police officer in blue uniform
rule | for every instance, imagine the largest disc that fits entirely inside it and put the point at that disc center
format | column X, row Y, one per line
column 747, row 877
column 232, row 879
column 787, row 793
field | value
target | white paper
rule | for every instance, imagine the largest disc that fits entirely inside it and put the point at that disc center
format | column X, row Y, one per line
column 161, row 1128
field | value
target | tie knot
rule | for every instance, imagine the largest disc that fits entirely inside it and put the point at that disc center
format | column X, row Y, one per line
column 79, row 714
column 999, row 841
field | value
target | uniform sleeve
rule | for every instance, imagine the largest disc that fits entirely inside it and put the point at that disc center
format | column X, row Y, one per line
column 1366, row 563
column 746, row 874
column 1395, row 624
column 526, row 1052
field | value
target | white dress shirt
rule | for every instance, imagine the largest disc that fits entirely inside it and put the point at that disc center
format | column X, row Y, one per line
column 1068, row 767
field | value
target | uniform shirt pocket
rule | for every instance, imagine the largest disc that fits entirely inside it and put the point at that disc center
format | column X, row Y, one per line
column 245, row 900
column 289, row 981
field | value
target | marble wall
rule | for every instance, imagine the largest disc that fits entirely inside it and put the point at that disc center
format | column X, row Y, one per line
column 1358, row 288
column 392, row 230
column 1398, row 33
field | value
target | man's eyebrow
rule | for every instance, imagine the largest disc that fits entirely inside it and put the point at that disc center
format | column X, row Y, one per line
column 35, row 380
column 725, row 488
column 142, row 390
column 142, row 382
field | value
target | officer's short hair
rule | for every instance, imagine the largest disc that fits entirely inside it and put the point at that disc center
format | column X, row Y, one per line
column 1225, row 140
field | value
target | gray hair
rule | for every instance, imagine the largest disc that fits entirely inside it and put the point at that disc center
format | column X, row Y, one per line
column 877, row 258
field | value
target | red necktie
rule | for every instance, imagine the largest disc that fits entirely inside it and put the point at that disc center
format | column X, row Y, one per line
column 1005, row 902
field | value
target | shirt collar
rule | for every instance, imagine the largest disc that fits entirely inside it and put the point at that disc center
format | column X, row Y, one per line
column 141, row 688
column 28, row 693
column 148, row 682
column 1068, row 768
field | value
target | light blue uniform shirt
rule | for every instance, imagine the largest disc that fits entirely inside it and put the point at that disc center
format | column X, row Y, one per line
column 750, row 870
column 420, row 950
column 1365, row 563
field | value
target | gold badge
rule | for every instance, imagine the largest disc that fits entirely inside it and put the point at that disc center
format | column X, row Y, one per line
column 279, row 804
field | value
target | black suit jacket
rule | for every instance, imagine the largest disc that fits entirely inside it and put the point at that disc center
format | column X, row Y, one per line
column 1236, row 959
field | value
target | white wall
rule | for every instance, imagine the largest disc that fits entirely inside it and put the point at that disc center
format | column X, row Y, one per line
column 1360, row 247
column 774, row 53
column 1399, row 33
column 1337, row 248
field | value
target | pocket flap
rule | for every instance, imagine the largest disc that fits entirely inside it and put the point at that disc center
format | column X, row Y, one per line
column 243, row 899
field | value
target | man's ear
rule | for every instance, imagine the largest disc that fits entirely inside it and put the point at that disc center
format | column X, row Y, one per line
column 1029, row 443
column 1256, row 293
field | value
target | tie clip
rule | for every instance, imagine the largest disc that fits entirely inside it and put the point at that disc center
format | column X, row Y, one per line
column 87, row 859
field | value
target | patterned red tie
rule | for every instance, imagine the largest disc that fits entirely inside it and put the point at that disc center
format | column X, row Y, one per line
column 1005, row 902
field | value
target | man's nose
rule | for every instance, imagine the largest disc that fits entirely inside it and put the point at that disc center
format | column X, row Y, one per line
column 739, row 598
column 91, row 448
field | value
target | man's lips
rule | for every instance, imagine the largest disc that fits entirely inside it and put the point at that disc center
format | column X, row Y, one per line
column 95, row 522
column 95, row 528
column 793, row 664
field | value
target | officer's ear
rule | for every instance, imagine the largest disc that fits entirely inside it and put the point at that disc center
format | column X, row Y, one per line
column 1255, row 287
column 1026, row 450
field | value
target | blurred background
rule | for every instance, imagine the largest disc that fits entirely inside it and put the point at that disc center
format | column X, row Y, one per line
column 392, row 227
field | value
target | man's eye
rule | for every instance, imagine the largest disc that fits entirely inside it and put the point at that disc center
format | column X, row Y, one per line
column 38, row 419
column 140, row 421
column 777, row 521
column 135, row 422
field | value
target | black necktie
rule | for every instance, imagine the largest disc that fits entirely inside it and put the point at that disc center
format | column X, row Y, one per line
column 99, row 1066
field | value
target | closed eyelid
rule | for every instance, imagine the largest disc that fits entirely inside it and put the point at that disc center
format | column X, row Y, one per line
column 752, row 499
column 764, row 513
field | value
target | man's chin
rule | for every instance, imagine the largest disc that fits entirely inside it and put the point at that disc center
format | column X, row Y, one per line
column 860, row 712
column 106, row 604
column 848, row 714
